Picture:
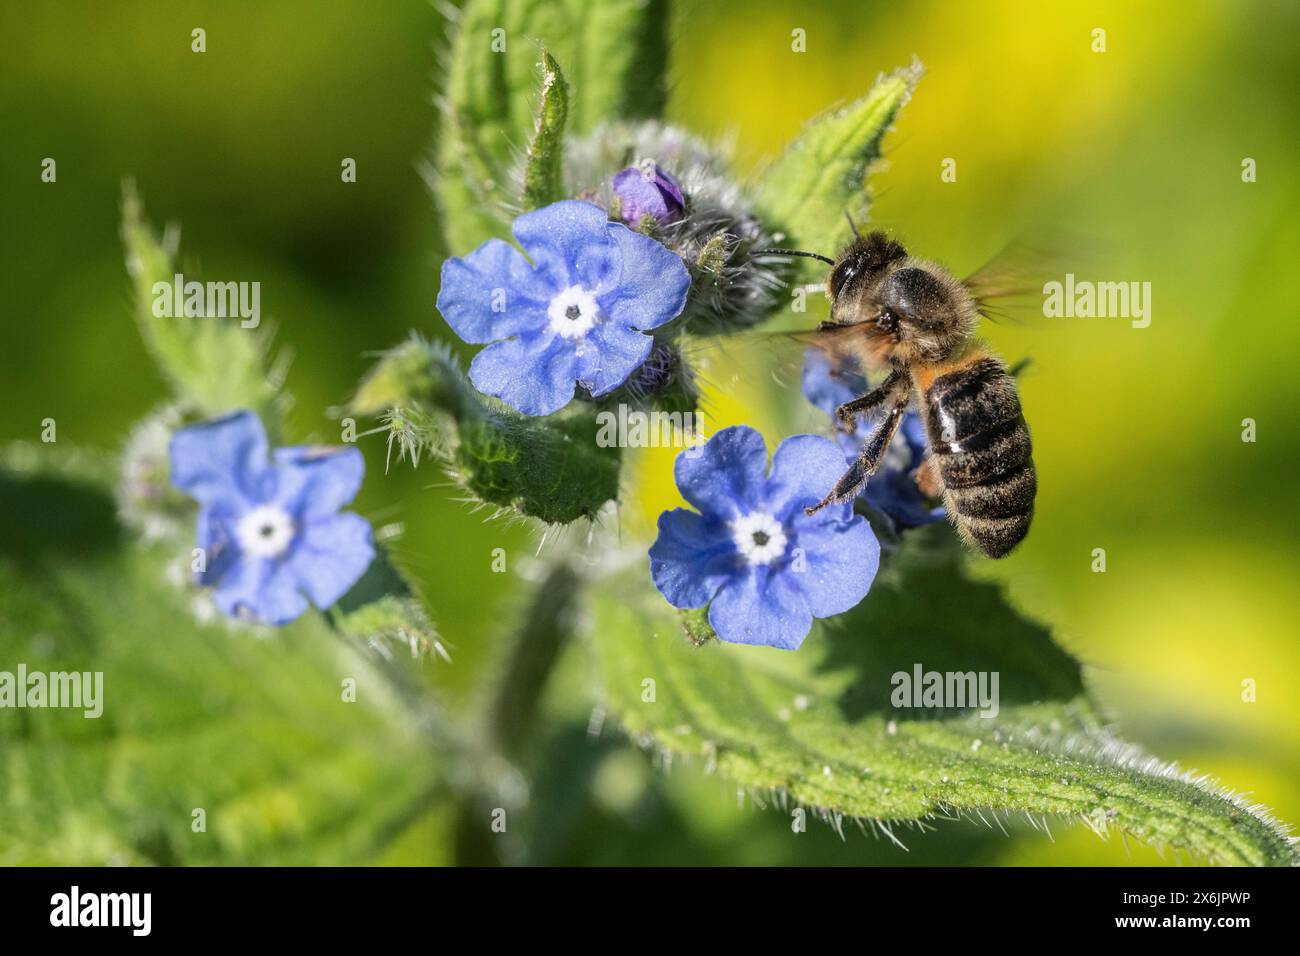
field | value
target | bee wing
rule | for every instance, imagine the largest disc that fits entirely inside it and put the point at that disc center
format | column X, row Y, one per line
column 775, row 352
column 1009, row 287
column 791, row 345
column 797, row 361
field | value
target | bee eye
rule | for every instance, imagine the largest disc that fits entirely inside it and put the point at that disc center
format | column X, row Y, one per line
column 842, row 274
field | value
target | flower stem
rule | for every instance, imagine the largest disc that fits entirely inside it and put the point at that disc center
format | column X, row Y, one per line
column 548, row 622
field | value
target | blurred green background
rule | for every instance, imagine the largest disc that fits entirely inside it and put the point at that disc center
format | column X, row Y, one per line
column 1137, row 432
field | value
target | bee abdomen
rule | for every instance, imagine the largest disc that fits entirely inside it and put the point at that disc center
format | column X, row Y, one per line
column 982, row 448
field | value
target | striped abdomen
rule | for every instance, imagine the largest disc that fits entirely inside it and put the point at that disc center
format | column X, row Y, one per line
column 983, row 455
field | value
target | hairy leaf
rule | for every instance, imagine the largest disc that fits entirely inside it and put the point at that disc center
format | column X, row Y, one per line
column 819, row 724
column 614, row 55
column 214, row 365
column 548, row 468
column 822, row 174
column 251, row 728
column 544, row 172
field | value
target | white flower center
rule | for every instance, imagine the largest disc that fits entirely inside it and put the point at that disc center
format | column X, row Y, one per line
column 759, row 538
column 573, row 312
column 265, row 532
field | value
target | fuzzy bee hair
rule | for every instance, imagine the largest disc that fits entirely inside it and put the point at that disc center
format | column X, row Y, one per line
column 919, row 311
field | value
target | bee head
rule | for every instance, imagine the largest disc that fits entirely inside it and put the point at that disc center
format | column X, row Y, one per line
column 862, row 262
column 913, row 310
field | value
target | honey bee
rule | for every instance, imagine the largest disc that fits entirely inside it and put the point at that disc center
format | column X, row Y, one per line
column 914, row 320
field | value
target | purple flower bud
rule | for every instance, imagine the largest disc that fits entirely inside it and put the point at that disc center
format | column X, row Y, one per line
column 648, row 191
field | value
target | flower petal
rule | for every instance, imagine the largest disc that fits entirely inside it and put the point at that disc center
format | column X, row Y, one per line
column 761, row 608
column 724, row 478
column 895, row 495
column 315, row 481
column 492, row 294
column 535, row 376
column 654, row 283
column 568, row 243
column 829, row 384
column 804, row 469
column 330, row 556
column 913, row 431
column 260, row 589
column 221, row 458
column 691, row 558
column 214, row 537
column 612, row 353
column 840, row 560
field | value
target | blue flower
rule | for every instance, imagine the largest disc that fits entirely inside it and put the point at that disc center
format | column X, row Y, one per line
column 764, row 568
column 270, row 525
column 574, row 316
column 648, row 192
column 892, row 491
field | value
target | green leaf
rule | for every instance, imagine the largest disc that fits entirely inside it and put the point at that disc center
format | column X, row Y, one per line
column 249, row 727
column 822, row 174
column 548, row 468
column 544, row 170
column 214, row 365
column 818, row 724
column 614, row 54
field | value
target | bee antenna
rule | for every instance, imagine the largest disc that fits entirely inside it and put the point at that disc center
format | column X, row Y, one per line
column 856, row 234
column 792, row 252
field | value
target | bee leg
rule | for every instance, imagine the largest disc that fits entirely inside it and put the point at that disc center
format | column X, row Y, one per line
column 848, row 413
column 873, row 453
